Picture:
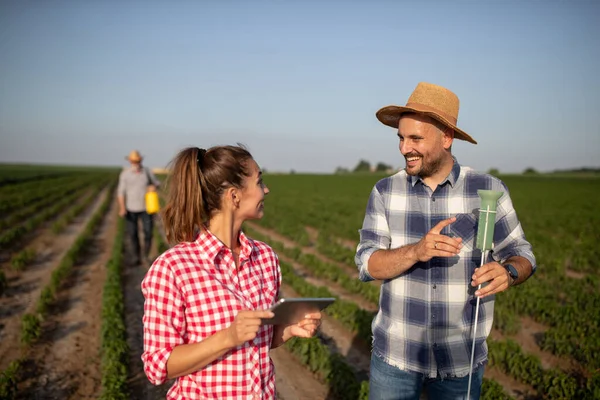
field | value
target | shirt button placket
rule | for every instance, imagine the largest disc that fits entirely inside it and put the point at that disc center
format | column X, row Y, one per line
column 256, row 371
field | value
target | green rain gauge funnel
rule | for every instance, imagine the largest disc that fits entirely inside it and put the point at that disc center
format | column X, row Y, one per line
column 487, row 218
column 485, row 238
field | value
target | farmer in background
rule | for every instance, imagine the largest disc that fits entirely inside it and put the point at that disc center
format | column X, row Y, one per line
column 205, row 297
column 134, row 182
column 418, row 237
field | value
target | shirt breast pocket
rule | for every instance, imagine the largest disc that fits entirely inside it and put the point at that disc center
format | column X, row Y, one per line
column 465, row 227
column 269, row 295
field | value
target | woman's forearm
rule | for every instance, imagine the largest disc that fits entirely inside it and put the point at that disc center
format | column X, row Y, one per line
column 188, row 358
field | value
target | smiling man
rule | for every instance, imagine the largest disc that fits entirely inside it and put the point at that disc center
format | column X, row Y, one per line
column 418, row 237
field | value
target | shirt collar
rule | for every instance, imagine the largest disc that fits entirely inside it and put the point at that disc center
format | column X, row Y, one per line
column 211, row 245
column 451, row 178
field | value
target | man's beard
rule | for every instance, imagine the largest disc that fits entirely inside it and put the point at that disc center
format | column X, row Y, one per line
column 428, row 167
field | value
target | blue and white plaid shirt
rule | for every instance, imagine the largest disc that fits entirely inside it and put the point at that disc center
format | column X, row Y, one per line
column 426, row 315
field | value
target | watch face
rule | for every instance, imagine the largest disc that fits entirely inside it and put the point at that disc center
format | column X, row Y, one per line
column 512, row 271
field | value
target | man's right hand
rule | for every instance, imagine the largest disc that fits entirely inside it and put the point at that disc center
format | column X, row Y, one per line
column 122, row 212
column 245, row 326
column 434, row 244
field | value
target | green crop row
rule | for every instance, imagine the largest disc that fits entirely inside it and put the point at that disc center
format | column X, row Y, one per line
column 66, row 265
column 52, row 195
column 331, row 367
column 25, row 195
column 31, row 323
column 114, row 348
column 570, row 309
column 60, row 224
column 321, row 269
column 554, row 384
column 11, row 236
column 22, row 259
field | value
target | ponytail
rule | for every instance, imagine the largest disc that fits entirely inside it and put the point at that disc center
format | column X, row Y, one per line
column 185, row 211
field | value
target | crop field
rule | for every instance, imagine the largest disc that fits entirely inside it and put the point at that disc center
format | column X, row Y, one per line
column 71, row 306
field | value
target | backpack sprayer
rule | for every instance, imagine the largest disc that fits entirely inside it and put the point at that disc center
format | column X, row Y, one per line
column 485, row 237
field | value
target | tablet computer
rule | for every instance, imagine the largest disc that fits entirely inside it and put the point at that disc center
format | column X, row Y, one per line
column 293, row 310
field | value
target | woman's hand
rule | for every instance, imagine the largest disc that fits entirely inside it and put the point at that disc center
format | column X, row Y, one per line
column 305, row 328
column 245, row 326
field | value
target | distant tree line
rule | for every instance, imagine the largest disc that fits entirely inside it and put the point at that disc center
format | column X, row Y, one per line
column 365, row 166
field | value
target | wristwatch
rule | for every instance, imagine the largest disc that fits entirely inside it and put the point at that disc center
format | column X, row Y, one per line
column 512, row 272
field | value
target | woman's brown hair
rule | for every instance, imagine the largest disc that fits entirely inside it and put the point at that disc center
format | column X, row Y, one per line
column 195, row 185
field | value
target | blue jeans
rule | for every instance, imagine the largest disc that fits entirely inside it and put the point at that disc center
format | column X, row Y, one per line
column 391, row 383
column 131, row 228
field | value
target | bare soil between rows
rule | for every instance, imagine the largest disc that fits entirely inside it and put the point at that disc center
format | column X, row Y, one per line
column 65, row 362
column 25, row 286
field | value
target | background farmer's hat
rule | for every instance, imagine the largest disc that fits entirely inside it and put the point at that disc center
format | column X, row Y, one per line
column 431, row 100
column 134, row 156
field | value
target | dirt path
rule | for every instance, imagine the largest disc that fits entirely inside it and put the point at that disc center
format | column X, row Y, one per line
column 66, row 362
column 24, row 287
column 293, row 380
column 513, row 387
column 140, row 387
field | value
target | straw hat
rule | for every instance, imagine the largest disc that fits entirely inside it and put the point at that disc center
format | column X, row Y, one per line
column 134, row 156
column 431, row 100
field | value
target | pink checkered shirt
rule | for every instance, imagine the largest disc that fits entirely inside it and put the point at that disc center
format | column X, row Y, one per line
column 193, row 291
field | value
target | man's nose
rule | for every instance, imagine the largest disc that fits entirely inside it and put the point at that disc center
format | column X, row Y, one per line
column 404, row 147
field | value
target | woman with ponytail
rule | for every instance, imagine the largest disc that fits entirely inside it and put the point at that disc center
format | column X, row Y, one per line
column 205, row 297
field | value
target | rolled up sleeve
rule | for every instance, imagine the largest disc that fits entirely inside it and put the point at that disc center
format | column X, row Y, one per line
column 509, row 237
column 163, row 320
column 374, row 235
column 121, row 185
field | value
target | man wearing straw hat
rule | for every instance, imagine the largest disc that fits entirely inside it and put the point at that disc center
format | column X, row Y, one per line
column 134, row 182
column 418, row 237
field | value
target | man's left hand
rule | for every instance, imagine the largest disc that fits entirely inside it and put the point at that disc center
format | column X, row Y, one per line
column 494, row 273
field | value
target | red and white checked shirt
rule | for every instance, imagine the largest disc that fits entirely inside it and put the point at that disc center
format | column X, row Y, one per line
column 193, row 291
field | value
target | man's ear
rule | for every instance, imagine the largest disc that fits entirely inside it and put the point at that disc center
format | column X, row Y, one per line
column 448, row 138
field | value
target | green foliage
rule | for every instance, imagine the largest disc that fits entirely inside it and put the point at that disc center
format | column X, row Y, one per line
column 114, row 348
column 382, row 167
column 555, row 384
column 492, row 390
column 363, row 166
column 13, row 235
column 331, row 368
column 22, row 259
column 31, row 329
column 9, row 380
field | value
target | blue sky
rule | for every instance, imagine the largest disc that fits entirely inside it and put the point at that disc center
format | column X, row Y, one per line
column 298, row 82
